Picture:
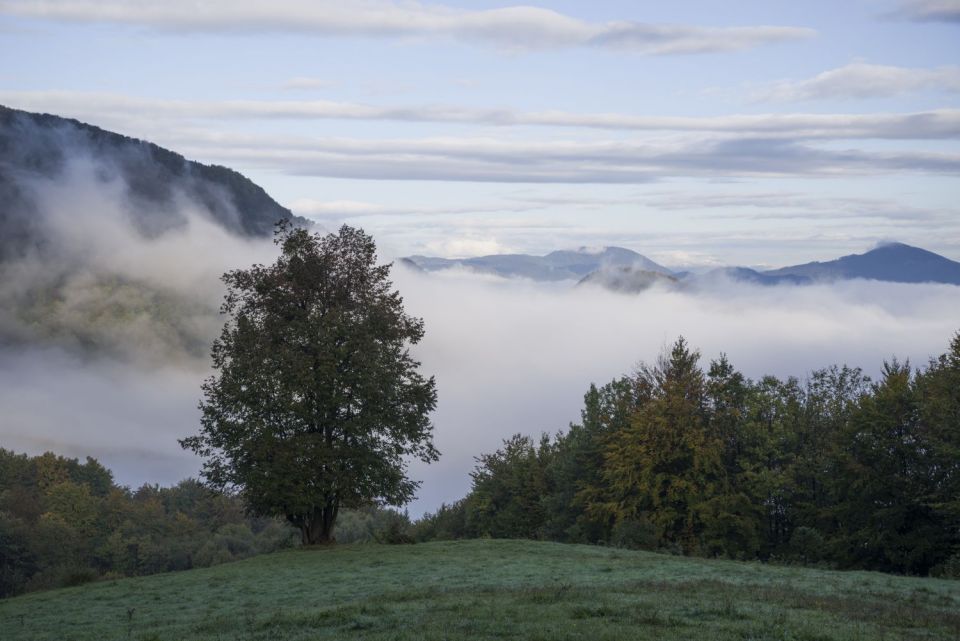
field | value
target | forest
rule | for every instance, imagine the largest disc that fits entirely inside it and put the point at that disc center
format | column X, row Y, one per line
column 63, row 523
column 837, row 470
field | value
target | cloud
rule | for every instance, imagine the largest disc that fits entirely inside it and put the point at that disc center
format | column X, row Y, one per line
column 514, row 356
column 144, row 112
column 306, row 83
column 929, row 10
column 513, row 28
column 351, row 209
column 465, row 246
column 784, row 204
column 599, row 162
column 863, row 80
column 509, row 356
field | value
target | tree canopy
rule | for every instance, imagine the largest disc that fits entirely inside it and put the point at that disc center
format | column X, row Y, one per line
column 316, row 403
column 837, row 469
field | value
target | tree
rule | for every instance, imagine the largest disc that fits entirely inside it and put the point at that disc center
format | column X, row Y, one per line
column 317, row 402
column 508, row 487
column 666, row 464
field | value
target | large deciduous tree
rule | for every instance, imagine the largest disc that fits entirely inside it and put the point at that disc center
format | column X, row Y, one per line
column 316, row 403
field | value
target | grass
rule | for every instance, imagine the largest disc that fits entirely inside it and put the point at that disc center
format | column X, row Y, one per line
column 490, row 590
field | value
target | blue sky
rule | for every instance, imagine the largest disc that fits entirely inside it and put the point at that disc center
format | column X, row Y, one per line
column 697, row 133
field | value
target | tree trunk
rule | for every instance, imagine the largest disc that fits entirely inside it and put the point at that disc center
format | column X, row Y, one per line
column 317, row 529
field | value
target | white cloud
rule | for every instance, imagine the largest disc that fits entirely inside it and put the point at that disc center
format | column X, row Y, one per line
column 512, row 356
column 936, row 124
column 514, row 28
column 685, row 259
column 306, row 83
column 783, row 204
column 351, row 209
column 863, row 80
column 465, row 246
column 930, row 10
column 623, row 162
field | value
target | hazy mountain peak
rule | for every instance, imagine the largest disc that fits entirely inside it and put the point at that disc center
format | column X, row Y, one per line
column 561, row 264
column 893, row 261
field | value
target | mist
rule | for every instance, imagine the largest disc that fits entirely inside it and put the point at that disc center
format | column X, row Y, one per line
column 105, row 330
column 516, row 356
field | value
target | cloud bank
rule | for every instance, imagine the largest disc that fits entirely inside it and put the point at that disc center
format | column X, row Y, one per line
column 863, row 80
column 564, row 161
column 514, row 28
column 929, row 10
column 934, row 124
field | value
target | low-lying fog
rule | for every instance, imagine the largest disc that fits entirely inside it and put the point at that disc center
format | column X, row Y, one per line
column 509, row 356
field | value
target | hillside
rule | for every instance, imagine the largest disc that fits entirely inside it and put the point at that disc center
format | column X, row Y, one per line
column 627, row 280
column 113, row 245
column 38, row 147
column 895, row 262
column 555, row 266
column 489, row 589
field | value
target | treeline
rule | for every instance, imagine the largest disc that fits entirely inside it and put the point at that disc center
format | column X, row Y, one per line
column 63, row 522
column 837, row 470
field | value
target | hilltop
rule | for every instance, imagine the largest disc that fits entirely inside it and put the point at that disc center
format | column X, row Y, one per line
column 895, row 262
column 491, row 589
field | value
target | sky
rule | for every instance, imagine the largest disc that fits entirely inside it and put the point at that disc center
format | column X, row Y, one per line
column 695, row 132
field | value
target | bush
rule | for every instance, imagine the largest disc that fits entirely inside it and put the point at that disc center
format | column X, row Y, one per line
column 637, row 533
column 806, row 544
column 949, row 569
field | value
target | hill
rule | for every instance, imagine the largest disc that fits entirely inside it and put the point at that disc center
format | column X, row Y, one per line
column 155, row 180
column 109, row 244
column 752, row 276
column 491, row 589
column 555, row 266
column 893, row 262
column 627, row 280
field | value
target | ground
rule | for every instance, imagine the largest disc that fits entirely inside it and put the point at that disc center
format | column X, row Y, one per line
column 491, row 590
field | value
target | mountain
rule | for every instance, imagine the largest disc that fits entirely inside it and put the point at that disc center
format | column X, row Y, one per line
column 156, row 181
column 627, row 279
column 752, row 276
column 113, row 245
column 555, row 266
column 895, row 262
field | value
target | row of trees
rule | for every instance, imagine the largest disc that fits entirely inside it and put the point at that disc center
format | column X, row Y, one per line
column 838, row 469
column 64, row 522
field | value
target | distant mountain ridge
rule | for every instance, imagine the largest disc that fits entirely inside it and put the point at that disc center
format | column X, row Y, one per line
column 555, row 266
column 894, row 262
column 624, row 270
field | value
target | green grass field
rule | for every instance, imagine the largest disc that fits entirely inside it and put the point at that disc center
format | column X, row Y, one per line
column 491, row 590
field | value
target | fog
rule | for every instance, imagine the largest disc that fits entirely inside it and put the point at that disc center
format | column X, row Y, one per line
column 114, row 371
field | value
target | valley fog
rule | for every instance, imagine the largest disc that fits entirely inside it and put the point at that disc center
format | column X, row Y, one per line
column 509, row 355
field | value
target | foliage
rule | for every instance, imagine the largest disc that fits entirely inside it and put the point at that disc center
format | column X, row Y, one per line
column 836, row 470
column 63, row 522
column 317, row 403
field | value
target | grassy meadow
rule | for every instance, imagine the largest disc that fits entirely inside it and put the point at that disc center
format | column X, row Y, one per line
column 490, row 589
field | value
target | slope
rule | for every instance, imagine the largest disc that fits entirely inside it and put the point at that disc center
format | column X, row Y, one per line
column 555, row 266
column 155, row 180
column 893, row 262
column 489, row 589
